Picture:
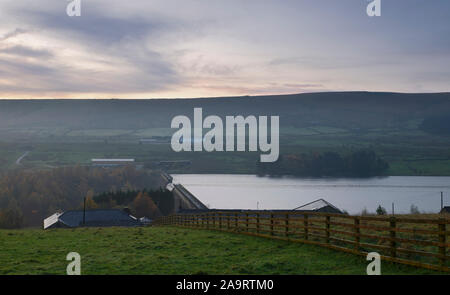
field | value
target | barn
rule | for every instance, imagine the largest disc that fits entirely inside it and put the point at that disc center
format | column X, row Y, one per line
column 112, row 162
column 96, row 218
column 319, row 205
column 445, row 209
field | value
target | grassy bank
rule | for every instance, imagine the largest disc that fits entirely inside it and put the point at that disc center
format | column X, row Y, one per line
column 169, row 250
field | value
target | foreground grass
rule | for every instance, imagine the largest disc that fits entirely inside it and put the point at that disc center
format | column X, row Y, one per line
column 170, row 250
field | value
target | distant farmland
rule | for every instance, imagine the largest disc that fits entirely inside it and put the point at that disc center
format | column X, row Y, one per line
column 69, row 132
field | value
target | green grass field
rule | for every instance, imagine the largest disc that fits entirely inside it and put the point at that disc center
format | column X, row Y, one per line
column 170, row 250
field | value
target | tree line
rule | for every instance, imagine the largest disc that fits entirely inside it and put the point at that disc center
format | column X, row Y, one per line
column 148, row 203
column 362, row 163
column 28, row 197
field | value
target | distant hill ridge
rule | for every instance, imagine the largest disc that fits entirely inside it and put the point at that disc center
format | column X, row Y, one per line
column 337, row 109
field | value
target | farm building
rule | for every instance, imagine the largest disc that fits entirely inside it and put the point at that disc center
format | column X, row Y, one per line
column 97, row 217
column 319, row 205
column 446, row 209
column 111, row 162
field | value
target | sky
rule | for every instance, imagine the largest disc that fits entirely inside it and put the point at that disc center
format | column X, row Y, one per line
column 205, row 48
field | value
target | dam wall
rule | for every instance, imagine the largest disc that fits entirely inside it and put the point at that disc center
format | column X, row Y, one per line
column 184, row 199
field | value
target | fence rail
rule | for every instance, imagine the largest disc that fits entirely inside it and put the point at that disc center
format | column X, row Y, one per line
column 420, row 242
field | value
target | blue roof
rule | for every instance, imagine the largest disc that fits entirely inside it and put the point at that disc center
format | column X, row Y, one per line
column 98, row 217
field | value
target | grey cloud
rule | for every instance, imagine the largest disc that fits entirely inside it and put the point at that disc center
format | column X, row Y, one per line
column 337, row 62
column 25, row 51
column 121, row 42
column 12, row 34
column 94, row 27
column 303, row 85
column 27, row 77
column 14, row 67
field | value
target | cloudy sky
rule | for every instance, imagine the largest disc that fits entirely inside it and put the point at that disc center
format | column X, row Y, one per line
column 198, row 48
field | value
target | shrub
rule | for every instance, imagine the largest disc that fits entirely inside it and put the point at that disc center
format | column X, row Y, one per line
column 381, row 210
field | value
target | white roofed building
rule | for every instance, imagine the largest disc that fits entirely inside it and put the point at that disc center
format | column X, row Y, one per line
column 319, row 205
column 112, row 162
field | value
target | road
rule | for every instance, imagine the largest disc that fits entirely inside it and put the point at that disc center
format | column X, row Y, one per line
column 21, row 157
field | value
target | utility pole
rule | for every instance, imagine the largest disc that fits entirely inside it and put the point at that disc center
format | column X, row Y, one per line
column 393, row 211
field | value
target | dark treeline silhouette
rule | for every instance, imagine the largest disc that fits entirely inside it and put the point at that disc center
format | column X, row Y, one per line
column 162, row 199
column 364, row 163
column 27, row 197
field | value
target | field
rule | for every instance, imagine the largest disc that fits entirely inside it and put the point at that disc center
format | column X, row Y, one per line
column 171, row 250
column 70, row 132
column 409, row 156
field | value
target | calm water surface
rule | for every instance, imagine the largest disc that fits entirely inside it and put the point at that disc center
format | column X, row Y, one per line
column 224, row 191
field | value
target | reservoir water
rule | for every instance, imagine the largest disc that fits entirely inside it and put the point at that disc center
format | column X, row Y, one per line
column 224, row 191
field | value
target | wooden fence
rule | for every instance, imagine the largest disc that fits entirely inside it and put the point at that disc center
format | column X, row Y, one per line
column 420, row 242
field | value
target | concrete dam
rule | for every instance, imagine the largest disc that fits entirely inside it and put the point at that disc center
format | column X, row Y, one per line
column 184, row 199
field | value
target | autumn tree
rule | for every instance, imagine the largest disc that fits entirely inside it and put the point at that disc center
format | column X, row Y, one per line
column 11, row 217
column 38, row 194
column 90, row 203
column 143, row 205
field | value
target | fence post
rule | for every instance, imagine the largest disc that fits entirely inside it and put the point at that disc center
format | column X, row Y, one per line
column 305, row 223
column 328, row 219
column 442, row 238
column 271, row 224
column 246, row 221
column 393, row 244
column 220, row 220
column 286, row 223
column 228, row 221
column 237, row 223
column 357, row 232
column 257, row 223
